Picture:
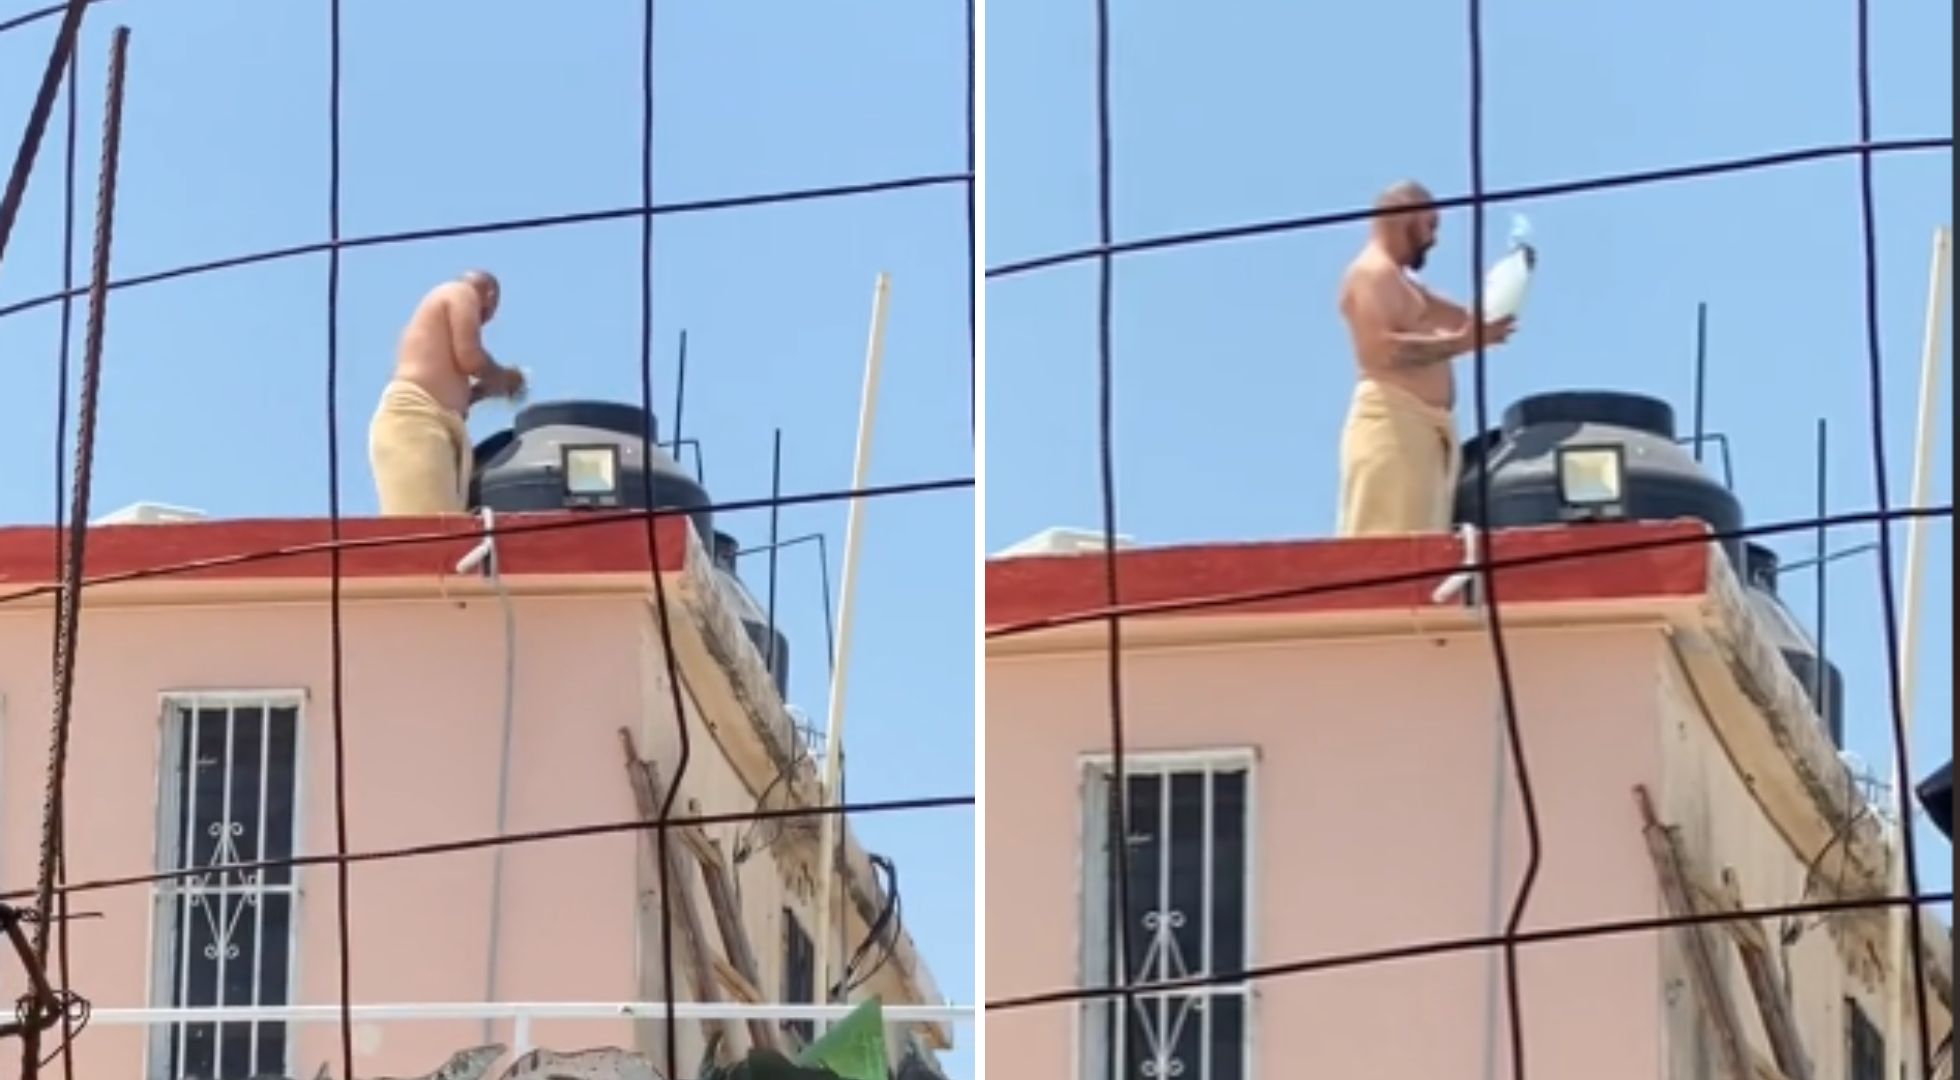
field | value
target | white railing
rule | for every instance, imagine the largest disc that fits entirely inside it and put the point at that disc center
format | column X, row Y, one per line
column 522, row 1014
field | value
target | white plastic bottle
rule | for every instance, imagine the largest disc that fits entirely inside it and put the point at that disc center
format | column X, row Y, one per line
column 1509, row 280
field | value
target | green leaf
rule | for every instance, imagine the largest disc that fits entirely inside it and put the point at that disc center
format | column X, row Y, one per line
column 854, row 1049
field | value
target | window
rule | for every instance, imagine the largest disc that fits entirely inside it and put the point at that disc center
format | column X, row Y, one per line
column 1864, row 1047
column 228, row 781
column 799, row 974
column 1188, row 823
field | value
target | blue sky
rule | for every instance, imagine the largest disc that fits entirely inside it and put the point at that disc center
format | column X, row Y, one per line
column 457, row 112
column 1232, row 373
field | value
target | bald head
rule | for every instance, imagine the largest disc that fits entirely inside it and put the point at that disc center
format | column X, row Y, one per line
column 1405, row 225
column 488, row 291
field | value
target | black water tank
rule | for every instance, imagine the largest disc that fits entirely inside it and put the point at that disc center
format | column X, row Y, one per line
column 1936, row 795
column 755, row 621
column 1663, row 481
column 1821, row 680
column 519, row 469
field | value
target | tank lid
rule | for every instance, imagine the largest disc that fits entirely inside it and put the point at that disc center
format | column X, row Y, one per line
column 627, row 420
column 1608, row 407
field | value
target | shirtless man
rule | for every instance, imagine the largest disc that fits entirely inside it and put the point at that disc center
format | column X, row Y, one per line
column 418, row 444
column 1399, row 453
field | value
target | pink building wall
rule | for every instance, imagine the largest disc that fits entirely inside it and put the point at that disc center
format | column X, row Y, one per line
column 1372, row 806
column 423, row 693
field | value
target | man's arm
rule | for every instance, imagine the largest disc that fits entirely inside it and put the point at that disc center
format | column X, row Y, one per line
column 466, row 335
column 1426, row 347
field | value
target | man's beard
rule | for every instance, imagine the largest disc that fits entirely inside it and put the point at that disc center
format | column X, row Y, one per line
column 1418, row 257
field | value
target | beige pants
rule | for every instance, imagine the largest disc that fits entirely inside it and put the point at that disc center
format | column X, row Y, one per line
column 420, row 453
column 1399, row 463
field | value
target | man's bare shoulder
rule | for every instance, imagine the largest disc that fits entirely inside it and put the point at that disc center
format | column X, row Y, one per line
column 1371, row 278
column 450, row 297
column 1372, row 267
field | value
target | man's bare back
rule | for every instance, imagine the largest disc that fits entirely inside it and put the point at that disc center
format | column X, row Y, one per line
column 441, row 349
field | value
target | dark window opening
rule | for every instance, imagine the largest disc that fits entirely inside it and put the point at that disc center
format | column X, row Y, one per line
column 799, row 975
column 1864, row 1053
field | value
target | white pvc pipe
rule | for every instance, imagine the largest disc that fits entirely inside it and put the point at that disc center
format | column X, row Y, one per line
column 492, row 961
column 827, row 845
column 526, row 1011
column 1922, row 478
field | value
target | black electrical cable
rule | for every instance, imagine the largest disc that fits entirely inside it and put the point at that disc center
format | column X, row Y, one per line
column 1533, row 192
column 525, row 224
column 1881, row 487
column 1500, row 655
column 1478, row 943
column 481, row 843
column 745, row 841
column 661, row 616
column 1118, row 862
column 39, row 14
column 413, row 539
column 343, row 917
column 972, row 220
column 881, row 929
column 894, row 933
column 75, row 1013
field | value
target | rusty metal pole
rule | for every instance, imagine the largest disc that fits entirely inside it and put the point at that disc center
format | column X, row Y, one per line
column 71, row 567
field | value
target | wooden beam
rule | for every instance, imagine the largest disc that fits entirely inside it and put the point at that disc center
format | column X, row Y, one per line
column 737, row 983
column 1759, row 961
column 1737, row 1062
column 644, row 777
column 739, row 972
column 734, row 932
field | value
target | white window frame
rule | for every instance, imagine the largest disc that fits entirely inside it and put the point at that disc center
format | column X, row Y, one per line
column 164, row 941
column 1092, row 1045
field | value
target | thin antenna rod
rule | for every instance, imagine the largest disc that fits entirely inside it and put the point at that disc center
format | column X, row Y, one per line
column 829, row 627
column 823, row 568
column 1821, row 573
column 680, row 398
column 1701, row 375
column 775, row 540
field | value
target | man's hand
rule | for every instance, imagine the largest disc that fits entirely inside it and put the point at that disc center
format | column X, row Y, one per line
column 498, row 382
column 1496, row 332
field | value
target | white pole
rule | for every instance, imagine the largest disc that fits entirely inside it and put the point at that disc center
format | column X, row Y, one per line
column 1922, row 468
column 827, row 845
